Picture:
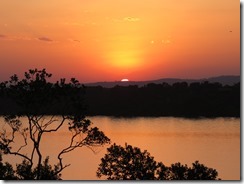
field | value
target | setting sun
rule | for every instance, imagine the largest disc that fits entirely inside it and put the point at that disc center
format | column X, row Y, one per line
column 124, row 80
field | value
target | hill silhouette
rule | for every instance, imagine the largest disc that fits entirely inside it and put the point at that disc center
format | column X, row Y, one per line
column 224, row 80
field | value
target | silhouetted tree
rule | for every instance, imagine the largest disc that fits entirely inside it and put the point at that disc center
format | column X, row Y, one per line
column 177, row 171
column 24, row 171
column 127, row 163
column 130, row 163
column 36, row 98
column 6, row 170
column 44, row 171
column 200, row 172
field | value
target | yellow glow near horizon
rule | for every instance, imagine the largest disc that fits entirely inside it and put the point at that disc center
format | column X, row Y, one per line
column 123, row 59
column 124, row 49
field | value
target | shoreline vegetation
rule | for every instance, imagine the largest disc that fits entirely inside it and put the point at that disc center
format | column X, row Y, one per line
column 194, row 100
column 180, row 99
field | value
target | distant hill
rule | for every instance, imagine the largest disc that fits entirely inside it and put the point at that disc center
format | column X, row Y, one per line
column 224, row 80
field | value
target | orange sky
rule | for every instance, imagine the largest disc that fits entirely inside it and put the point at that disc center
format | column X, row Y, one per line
column 107, row 40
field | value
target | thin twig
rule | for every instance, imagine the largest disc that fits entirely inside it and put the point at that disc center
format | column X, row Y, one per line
column 25, row 139
column 19, row 154
column 57, row 128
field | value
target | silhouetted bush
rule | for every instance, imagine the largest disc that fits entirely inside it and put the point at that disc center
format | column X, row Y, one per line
column 130, row 163
column 24, row 171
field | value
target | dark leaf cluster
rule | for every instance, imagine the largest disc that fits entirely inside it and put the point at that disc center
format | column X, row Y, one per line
column 130, row 163
column 34, row 94
column 24, row 171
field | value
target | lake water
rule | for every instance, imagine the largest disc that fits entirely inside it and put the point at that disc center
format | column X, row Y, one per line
column 214, row 142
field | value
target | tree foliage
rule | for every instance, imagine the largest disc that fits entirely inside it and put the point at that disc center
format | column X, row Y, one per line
column 127, row 163
column 6, row 170
column 24, row 171
column 36, row 98
column 130, row 163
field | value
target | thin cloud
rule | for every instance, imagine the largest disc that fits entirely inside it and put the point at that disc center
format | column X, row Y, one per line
column 72, row 24
column 166, row 41
column 76, row 40
column 131, row 19
column 3, row 36
column 6, row 38
column 127, row 19
column 16, row 38
column 73, row 40
column 45, row 39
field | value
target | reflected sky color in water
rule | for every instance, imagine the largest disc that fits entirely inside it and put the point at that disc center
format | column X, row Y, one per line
column 214, row 142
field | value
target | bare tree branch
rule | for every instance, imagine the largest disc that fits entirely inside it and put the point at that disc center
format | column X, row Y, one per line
column 24, row 135
column 57, row 128
column 49, row 122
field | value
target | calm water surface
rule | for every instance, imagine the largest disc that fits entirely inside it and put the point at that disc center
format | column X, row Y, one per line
column 214, row 142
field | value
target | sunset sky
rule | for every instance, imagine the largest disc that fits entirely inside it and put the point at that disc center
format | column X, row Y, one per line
column 108, row 40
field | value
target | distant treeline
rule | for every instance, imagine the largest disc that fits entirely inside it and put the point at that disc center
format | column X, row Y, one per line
column 179, row 99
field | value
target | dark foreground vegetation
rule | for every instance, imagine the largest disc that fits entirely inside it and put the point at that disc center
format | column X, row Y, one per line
column 119, row 163
column 26, row 124
column 179, row 99
column 26, row 102
column 130, row 163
